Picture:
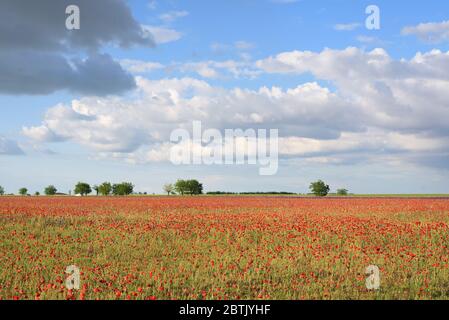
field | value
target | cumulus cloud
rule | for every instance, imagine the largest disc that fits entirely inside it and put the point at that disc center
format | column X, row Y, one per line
column 40, row 56
column 381, row 109
column 350, row 148
column 371, row 141
column 432, row 32
column 405, row 99
column 118, row 125
column 396, row 94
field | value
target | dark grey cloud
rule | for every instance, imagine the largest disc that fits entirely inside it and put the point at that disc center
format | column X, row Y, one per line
column 41, row 25
column 38, row 55
column 9, row 147
column 27, row 72
column 109, row 76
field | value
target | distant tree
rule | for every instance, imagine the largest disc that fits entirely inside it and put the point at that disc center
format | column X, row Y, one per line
column 342, row 192
column 194, row 187
column 169, row 188
column 122, row 189
column 23, row 191
column 83, row 188
column 319, row 188
column 2, row 191
column 181, row 187
column 37, row 193
column 50, row 191
column 105, row 188
column 191, row 187
column 96, row 189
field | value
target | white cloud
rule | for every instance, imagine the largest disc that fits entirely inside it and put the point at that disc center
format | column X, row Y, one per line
column 41, row 133
column 162, row 35
column 173, row 15
column 204, row 69
column 381, row 108
column 433, row 32
column 119, row 125
column 217, row 69
column 395, row 94
column 369, row 146
column 208, row 69
column 371, row 140
column 138, row 66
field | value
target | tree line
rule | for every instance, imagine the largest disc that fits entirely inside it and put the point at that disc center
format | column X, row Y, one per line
column 105, row 189
column 318, row 188
column 84, row 189
column 181, row 187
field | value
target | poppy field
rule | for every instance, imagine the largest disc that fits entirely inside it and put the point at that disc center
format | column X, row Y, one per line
column 223, row 247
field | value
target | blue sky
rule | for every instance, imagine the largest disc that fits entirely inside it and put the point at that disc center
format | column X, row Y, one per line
column 361, row 109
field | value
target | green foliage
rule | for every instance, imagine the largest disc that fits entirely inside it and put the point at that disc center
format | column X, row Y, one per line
column 319, row 188
column 122, row 189
column 37, row 193
column 342, row 192
column 191, row 187
column 50, row 190
column 194, row 187
column 105, row 188
column 83, row 188
column 181, row 187
column 23, row 191
column 2, row 191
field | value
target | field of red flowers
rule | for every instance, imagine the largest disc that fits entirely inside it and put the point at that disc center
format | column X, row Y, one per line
column 223, row 247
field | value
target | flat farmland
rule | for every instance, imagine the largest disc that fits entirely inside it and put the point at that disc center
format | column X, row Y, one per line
column 223, row 247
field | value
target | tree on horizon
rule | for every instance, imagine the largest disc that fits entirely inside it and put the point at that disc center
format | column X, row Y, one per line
column 319, row 188
column 83, row 188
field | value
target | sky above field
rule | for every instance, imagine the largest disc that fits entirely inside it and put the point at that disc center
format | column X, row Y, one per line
column 361, row 108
